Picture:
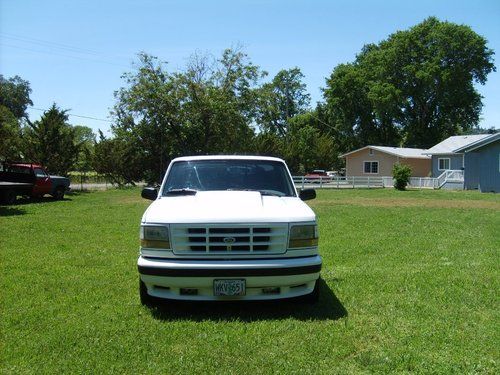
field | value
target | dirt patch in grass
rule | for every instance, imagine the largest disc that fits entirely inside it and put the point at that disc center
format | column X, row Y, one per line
column 410, row 202
column 134, row 199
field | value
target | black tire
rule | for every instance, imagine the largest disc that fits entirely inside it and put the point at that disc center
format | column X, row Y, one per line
column 9, row 197
column 313, row 297
column 146, row 299
column 59, row 194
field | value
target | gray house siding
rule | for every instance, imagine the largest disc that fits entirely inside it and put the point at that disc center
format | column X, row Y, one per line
column 456, row 163
column 471, row 172
column 489, row 165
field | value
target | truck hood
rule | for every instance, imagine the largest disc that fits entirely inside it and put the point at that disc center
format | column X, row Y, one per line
column 61, row 180
column 227, row 207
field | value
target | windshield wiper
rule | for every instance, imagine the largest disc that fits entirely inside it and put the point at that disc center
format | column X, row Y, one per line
column 183, row 191
column 267, row 192
column 272, row 193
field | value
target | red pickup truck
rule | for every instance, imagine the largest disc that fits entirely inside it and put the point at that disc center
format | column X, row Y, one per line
column 24, row 179
column 317, row 176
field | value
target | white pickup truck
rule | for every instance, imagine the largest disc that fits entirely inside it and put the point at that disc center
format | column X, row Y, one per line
column 228, row 228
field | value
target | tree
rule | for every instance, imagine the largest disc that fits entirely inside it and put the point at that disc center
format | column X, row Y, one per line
column 10, row 135
column 268, row 144
column 52, row 142
column 147, row 113
column 208, row 108
column 282, row 99
column 15, row 95
column 307, row 148
column 414, row 89
column 118, row 159
column 401, row 174
column 220, row 102
column 85, row 138
column 14, row 100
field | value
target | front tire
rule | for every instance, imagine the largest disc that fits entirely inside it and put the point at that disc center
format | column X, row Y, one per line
column 59, row 194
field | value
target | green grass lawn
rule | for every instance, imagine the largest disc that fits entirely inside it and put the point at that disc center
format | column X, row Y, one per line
column 411, row 284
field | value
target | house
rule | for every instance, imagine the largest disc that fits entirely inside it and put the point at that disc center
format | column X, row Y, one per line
column 467, row 162
column 445, row 156
column 379, row 160
column 481, row 161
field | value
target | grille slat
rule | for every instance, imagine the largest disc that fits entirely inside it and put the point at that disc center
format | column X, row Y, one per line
column 227, row 239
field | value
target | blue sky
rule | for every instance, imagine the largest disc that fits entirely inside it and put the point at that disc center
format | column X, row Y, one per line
column 74, row 52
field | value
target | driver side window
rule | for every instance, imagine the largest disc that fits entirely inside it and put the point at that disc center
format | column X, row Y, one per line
column 40, row 173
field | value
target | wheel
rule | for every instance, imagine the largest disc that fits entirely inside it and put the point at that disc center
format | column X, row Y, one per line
column 9, row 197
column 59, row 194
column 146, row 299
column 313, row 297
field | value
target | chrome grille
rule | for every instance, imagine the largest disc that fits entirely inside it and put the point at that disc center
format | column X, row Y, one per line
column 229, row 238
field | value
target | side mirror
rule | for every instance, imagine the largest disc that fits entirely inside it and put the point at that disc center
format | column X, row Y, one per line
column 149, row 193
column 307, row 194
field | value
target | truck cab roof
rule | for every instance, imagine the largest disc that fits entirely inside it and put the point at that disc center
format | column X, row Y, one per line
column 227, row 157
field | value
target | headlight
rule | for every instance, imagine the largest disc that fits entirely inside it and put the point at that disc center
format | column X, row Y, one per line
column 303, row 236
column 155, row 237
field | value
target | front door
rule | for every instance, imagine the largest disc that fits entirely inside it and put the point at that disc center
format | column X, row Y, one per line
column 43, row 185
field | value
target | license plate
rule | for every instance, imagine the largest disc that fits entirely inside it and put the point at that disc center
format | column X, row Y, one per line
column 229, row 287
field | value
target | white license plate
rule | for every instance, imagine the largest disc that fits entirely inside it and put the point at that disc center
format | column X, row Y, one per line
column 229, row 287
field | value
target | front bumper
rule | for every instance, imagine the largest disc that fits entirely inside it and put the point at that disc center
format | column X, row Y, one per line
column 291, row 277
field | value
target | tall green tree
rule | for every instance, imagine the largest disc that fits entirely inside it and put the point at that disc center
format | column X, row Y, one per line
column 269, row 144
column 282, row 99
column 10, row 136
column 14, row 101
column 207, row 108
column 86, row 139
column 147, row 113
column 307, row 146
column 15, row 95
column 414, row 89
column 118, row 158
column 220, row 102
column 52, row 142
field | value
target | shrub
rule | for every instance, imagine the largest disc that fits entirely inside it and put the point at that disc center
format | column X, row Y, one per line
column 401, row 174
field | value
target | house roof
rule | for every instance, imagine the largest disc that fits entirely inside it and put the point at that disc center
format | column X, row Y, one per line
column 452, row 144
column 479, row 143
column 396, row 151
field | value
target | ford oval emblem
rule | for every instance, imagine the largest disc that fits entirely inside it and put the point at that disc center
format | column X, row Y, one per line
column 229, row 239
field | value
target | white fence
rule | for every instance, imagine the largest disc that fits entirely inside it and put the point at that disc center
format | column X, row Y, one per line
column 369, row 182
column 415, row 182
column 338, row 182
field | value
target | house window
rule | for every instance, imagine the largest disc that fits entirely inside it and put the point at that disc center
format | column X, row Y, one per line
column 370, row 152
column 371, row 167
column 443, row 164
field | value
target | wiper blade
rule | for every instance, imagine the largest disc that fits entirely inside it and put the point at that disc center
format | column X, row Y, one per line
column 268, row 192
column 184, row 191
column 272, row 193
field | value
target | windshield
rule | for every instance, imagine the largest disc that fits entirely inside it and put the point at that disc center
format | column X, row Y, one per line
column 266, row 176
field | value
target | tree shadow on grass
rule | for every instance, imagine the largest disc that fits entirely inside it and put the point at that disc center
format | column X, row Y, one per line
column 11, row 211
column 329, row 307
